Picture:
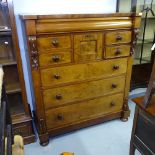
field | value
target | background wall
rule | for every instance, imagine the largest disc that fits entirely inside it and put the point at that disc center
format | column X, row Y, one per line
column 54, row 7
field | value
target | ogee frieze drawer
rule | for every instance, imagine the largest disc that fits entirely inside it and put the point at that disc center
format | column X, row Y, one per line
column 79, row 72
column 117, row 37
column 78, row 92
column 84, row 110
column 54, row 58
column 50, row 43
column 117, row 51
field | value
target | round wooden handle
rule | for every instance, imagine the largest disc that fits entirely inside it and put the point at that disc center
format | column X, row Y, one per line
column 55, row 42
column 119, row 38
column 57, row 76
column 115, row 67
column 58, row 96
column 112, row 104
column 60, row 117
column 114, row 85
column 56, row 58
column 117, row 52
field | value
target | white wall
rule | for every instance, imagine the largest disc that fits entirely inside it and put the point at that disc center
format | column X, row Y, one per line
column 55, row 7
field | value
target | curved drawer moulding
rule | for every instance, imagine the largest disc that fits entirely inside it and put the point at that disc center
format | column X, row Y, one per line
column 81, row 26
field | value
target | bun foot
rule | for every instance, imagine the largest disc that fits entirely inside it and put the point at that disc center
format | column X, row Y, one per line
column 44, row 143
column 124, row 119
column 44, row 139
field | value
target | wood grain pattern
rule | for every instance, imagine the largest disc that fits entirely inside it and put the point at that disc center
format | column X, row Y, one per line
column 117, row 37
column 25, row 116
column 117, row 51
column 109, row 16
column 91, row 68
column 78, row 92
column 81, row 72
column 54, row 58
column 49, row 27
column 87, row 47
column 50, row 43
column 92, row 108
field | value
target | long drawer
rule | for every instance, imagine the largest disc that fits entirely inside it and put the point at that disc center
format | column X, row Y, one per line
column 83, row 111
column 79, row 72
column 78, row 92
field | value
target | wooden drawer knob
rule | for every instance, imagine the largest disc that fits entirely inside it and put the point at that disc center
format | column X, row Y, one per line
column 55, row 42
column 57, row 76
column 115, row 67
column 118, row 52
column 60, row 117
column 56, row 58
column 114, row 85
column 119, row 38
column 58, row 96
column 112, row 104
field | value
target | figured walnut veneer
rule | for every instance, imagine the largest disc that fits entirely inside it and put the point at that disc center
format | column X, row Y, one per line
column 81, row 68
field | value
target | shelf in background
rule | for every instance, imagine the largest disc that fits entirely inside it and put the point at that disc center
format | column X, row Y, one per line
column 146, row 41
column 143, row 61
column 13, row 88
column 5, row 29
column 151, row 17
column 5, row 33
column 7, row 61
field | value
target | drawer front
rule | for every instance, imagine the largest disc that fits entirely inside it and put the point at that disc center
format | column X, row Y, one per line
column 117, row 37
column 23, row 130
column 87, row 46
column 78, row 92
column 73, row 73
column 117, row 51
column 46, row 44
column 86, row 110
column 6, row 48
column 54, row 58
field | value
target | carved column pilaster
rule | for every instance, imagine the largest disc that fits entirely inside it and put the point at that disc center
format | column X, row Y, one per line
column 33, row 52
column 134, row 40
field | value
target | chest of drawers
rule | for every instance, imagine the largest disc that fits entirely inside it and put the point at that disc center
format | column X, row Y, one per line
column 81, row 67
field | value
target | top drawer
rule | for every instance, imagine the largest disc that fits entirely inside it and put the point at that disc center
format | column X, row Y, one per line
column 117, row 37
column 50, row 43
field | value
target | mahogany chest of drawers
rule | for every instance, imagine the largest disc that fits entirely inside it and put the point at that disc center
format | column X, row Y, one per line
column 81, row 68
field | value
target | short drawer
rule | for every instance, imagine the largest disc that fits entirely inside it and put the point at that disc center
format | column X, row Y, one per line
column 79, row 72
column 117, row 51
column 117, row 37
column 23, row 130
column 78, row 92
column 58, row 117
column 50, row 43
column 54, row 58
